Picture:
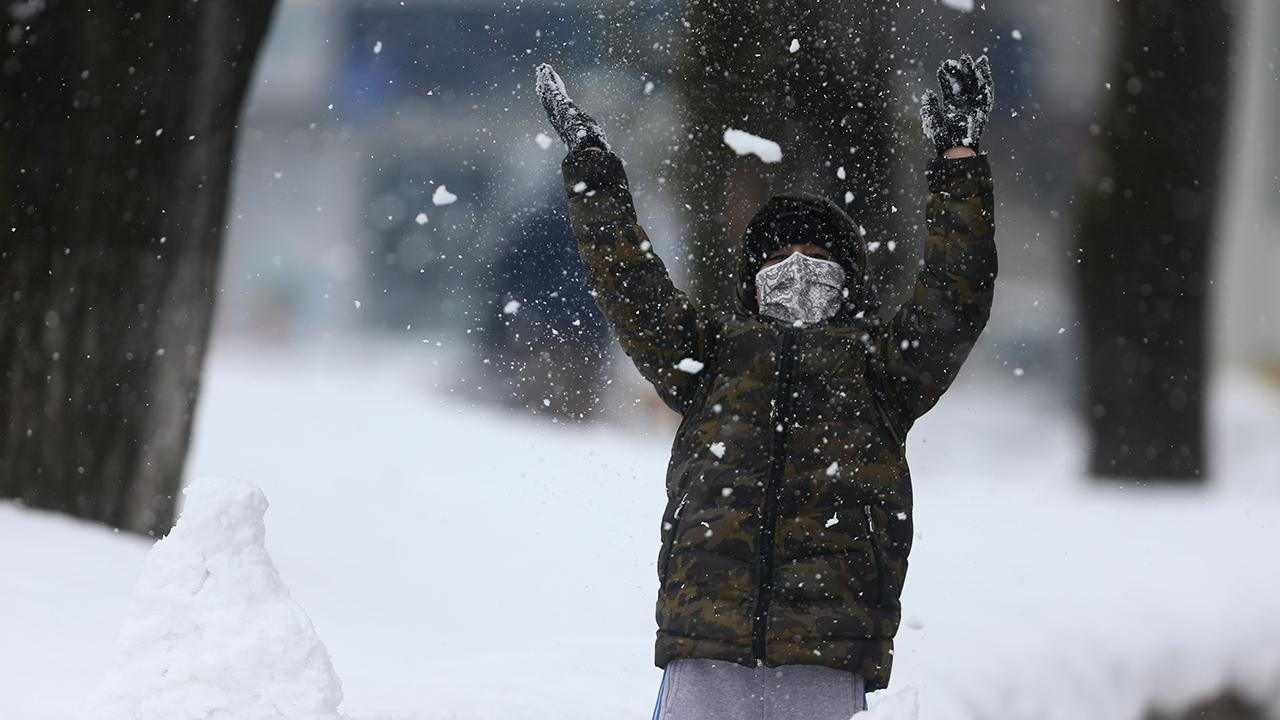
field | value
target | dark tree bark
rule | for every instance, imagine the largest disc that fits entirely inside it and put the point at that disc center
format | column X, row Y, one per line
column 829, row 104
column 118, row 124
column 1146, row 218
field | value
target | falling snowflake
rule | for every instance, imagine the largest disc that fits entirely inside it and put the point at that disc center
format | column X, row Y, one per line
column 744, row 143
column 442, row 196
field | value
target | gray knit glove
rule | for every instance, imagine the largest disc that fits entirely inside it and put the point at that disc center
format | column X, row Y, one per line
column 576, row 128
column 958, row 118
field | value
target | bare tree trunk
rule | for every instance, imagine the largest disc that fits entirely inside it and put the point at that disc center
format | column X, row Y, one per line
column 118, row 124
column 1145, row 222
column 828, row 103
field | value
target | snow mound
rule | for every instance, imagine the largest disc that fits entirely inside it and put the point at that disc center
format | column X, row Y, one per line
column 213, row 632
column 743, row 143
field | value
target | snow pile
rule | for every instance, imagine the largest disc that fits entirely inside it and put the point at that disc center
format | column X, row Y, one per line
column 744, row 143
column 213, row 632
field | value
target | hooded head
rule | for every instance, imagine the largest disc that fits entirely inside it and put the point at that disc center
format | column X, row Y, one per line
column 800, row 218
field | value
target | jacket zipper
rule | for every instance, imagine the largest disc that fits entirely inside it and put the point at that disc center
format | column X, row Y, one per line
column 684, row 499
column 769, row 516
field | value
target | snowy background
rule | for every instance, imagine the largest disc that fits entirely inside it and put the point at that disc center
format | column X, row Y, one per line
column 431, row 552
column 459, row 562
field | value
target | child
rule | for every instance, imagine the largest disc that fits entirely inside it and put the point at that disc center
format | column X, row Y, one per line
column 788, row 522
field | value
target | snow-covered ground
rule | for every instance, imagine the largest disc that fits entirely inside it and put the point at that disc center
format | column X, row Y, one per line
column 459, row 562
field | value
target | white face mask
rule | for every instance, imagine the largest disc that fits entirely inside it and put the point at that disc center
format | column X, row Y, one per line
column 800, row 290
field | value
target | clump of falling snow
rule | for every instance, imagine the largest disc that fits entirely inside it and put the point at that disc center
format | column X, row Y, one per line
column 442, row 196
column 543, row 140
column 717, row 449
column 961, row 5
column 213, row 631
column 744, row 143
column 689, row 365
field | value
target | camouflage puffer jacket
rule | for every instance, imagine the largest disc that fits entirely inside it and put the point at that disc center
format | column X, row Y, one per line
column 786, row 534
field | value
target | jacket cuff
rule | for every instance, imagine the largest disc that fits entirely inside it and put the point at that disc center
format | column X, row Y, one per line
column 590, row 172
column 959, row 176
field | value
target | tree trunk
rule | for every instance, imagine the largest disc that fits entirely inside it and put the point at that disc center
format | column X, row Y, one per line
column 1144, row 236
column 118, row 124
column 828, row 103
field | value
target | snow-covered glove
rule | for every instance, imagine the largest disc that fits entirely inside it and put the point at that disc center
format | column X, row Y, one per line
column 576, row 128
column 958, row 118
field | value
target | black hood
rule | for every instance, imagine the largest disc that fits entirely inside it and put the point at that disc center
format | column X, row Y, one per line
column 798, row 218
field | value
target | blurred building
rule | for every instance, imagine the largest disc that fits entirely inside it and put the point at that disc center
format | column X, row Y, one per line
column 361, row 113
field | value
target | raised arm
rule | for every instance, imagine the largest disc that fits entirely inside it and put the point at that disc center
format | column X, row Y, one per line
column 930, row 336
column 659, row 327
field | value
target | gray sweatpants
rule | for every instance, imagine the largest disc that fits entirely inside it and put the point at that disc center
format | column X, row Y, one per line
column 721, row 690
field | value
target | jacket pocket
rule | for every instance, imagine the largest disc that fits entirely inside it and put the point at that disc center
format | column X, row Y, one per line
column 664, row 559
column 874, row 530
